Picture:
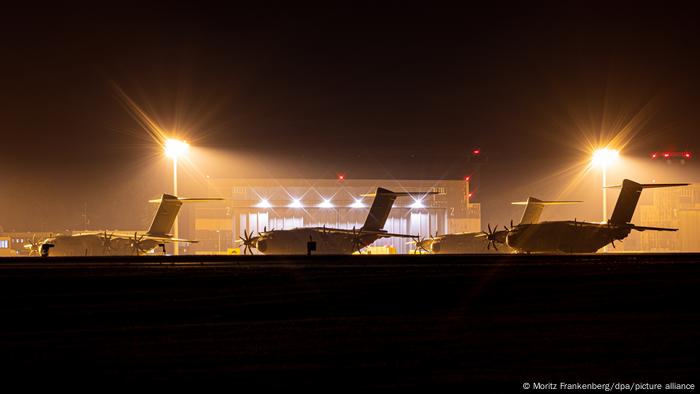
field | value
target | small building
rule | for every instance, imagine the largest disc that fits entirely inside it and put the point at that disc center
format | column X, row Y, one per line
column 676, row 207
column 13, row 243
column 5, row 247
column 255, row 205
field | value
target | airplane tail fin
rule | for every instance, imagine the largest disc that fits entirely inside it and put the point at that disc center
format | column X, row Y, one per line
column 534, row 207
column 165, row 215
column 628, row 198
column 167, row 212
column 381, row 207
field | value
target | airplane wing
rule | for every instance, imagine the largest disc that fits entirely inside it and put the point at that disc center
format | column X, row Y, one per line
column 119, row 234
column 381, row 234
column 388, row 235
column 141, row 236
column 169, row 239
column 95, row 233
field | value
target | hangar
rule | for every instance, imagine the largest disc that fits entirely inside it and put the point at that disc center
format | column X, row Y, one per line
column 259, row 204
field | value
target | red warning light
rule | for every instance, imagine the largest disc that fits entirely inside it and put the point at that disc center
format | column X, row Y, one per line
column 470, row 195
column 341, row 177
column 669, row 156
column 476, row 151
column 466, row 178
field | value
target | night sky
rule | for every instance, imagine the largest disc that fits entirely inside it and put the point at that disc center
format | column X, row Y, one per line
column 391, row 91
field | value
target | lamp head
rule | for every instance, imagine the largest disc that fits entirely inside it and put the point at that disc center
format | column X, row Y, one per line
column 604, row 157
column 176, row 148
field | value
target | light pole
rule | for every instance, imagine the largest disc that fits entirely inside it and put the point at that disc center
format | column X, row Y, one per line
column 604, row 158
column 174, row 149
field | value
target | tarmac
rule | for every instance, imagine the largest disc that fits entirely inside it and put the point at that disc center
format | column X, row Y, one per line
column 496, row 321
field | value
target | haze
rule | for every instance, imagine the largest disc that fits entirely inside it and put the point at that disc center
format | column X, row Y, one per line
column 394, row 91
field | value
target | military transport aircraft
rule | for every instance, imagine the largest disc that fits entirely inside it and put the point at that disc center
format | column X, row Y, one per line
column 457, row 243
column 483, row 241
column 580, row 237
column 105, row 243
column 328, row 240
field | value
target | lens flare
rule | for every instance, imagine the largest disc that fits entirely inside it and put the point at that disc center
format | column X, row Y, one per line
column 176, row 148
column 263, row 204
column 326, row 203
column 296, row 203
column 605, row 157
column 358, row 204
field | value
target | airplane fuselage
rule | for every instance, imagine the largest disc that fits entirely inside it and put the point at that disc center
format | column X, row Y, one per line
column 463, row 243
column 295, row 241
column 564, row 236
column 93, row 245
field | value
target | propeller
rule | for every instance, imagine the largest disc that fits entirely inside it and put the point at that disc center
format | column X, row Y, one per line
column 264, row 231
column 107, row 243
column 420, row 245
column 511, row 226
column 33, row 246
column 136, row 244
column 248, row 241
column 492, row 237
column 356, row 240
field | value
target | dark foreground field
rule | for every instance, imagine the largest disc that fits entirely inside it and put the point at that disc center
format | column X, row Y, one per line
column 352, row 321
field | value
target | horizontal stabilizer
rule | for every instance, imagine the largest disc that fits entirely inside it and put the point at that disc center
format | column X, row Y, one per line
column 650, row 185
column 644, row 228
column 185, row 199
column 539, row 202
column 386, row 192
